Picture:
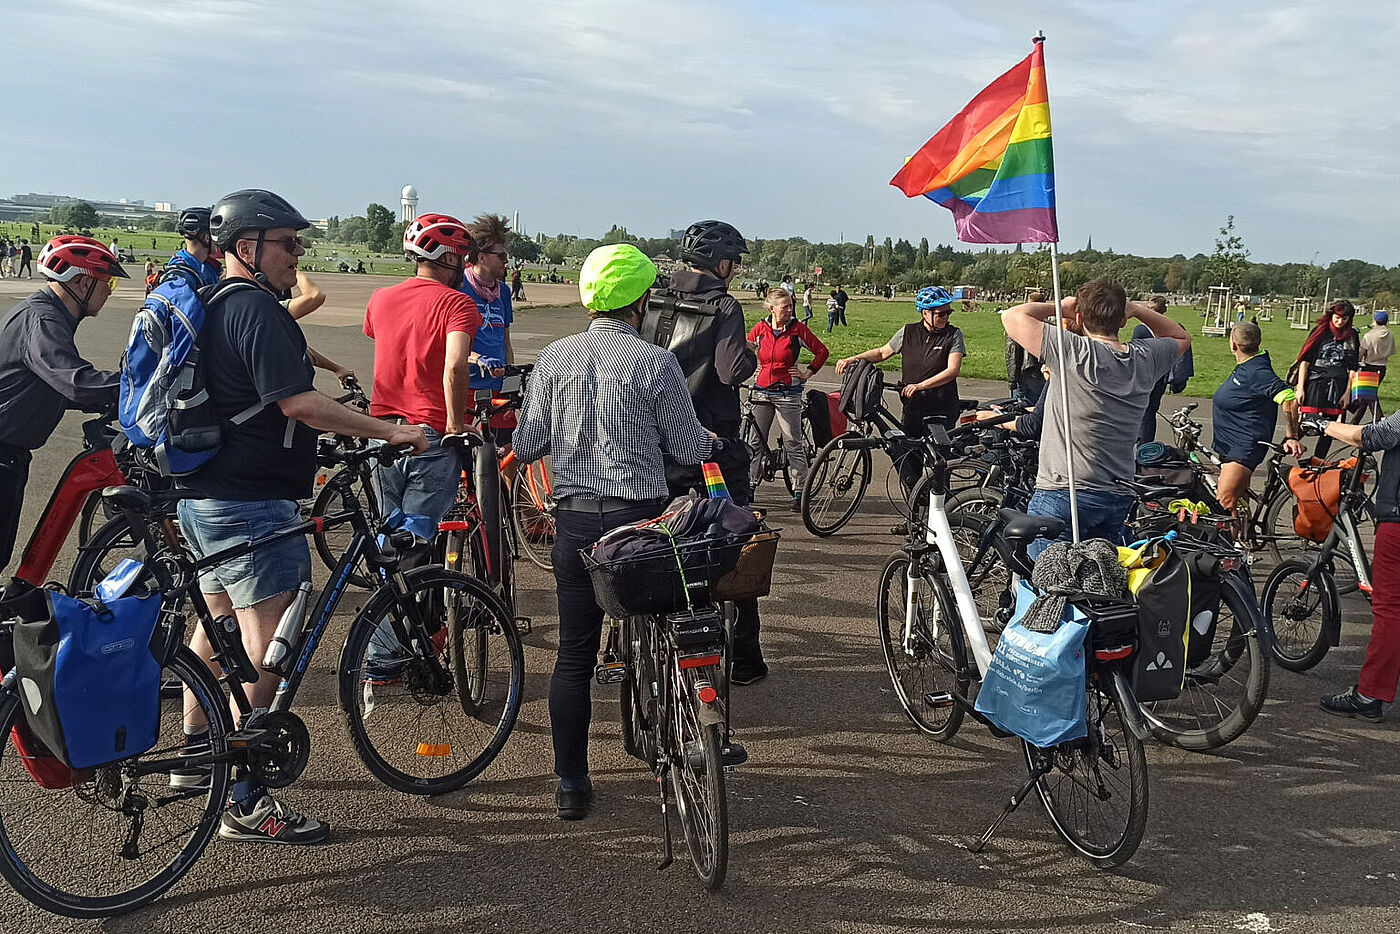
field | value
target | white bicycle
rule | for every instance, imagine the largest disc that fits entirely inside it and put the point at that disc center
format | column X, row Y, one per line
column 1094, row 789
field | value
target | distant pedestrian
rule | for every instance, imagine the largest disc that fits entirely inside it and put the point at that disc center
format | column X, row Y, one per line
column 841, row 299
column 517, row 290
column 833, row 311
column 807, row 303
column 25, row 255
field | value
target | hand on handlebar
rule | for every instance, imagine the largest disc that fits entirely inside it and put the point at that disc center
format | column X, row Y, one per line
column 408, row 435
column 491, row 366
column 909, row 390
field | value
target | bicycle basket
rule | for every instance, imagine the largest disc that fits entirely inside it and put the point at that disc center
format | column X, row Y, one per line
column 667, row 576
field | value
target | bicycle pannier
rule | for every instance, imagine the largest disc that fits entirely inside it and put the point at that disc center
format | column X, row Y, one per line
column 1161, row 583
column 1206, row 585
column 87, row 679
column 22, row 599
column 1318, row 491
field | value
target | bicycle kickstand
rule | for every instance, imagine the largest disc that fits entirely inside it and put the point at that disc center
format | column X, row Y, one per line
column 1042, row 769
column 666, row 855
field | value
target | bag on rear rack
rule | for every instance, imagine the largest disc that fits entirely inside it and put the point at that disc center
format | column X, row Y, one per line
column 22, row 599
column 1206, row 586
column 1160, row 581
column 88, row 682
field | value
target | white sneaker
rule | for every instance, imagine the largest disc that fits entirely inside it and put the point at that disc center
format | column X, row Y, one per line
column 271, row 821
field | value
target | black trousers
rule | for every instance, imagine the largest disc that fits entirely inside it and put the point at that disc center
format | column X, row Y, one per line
column 580, row 632
column 14, row 474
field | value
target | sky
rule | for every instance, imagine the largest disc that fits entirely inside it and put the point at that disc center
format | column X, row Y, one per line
column 785, row 118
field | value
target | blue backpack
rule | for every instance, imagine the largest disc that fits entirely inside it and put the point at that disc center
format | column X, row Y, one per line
column 164, row 406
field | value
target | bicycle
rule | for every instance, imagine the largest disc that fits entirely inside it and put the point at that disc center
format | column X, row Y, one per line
column 840, row 473
column 672, row 671
column 401, row 731
column 1301, row 596
column 770, row 463
column 1095, row 788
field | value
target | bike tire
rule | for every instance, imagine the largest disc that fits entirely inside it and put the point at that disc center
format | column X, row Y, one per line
column 933, row 664
column 330, row 544
column 1066, row 792
column 88, row 521
column 697, row 784
column 67, row 847
column 532, row 515
column 836, row 472
column 1302, row 616
column 981, row 501
column 466, row 641
column 987, row 573
column 398, row 724
column 638, row 703
column 108, row 546
column 1202, row 717
column 1280, row 541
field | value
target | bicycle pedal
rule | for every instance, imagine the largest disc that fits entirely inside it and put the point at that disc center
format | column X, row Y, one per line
column 610, row 673
column 522, row 625
column 939, row 700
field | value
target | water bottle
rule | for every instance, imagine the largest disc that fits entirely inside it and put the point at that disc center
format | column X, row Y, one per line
column 285, row 639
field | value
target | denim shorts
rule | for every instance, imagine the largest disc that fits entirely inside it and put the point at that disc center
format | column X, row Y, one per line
column 211, row 525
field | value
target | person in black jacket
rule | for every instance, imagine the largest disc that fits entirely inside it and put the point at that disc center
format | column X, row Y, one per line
column 41, row 371
column 707, row 334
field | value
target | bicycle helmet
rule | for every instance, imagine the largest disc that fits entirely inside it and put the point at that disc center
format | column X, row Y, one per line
column 932, row 296
column 431, row 236
column 193, row 223
column 706, row 243
column 238, row 212
column 614, row 276
column 68, row 256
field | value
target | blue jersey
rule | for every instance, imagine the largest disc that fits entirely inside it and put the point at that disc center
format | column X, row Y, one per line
column 207, row 272
column 1245, row 409
column 490, row 340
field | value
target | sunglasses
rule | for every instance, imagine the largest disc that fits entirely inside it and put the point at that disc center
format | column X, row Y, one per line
column 290, row 244
column 941, row 312
column 113, row 282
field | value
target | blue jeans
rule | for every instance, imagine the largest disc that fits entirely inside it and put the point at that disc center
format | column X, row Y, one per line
column 1101, row 515
column 424, row 485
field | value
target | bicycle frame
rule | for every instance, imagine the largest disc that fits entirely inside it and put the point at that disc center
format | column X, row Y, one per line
column 86, row 473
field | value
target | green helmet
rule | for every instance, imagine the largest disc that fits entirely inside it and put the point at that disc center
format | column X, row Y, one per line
column 615, row 276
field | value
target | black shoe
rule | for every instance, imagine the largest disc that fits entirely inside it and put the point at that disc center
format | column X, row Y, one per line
column 573, row 805
column 744, row 673
column 1347, row 704
column 900, row 529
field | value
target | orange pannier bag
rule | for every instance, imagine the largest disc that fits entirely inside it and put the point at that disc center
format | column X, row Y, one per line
column 1318, row 490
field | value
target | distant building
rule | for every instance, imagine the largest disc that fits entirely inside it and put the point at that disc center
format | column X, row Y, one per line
column 410, row 203
column 32, row 207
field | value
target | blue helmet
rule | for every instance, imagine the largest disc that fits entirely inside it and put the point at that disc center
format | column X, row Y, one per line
column 931, row 296
column 1381, row 317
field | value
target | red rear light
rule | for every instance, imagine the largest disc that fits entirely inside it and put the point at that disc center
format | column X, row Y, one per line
column 708, row 695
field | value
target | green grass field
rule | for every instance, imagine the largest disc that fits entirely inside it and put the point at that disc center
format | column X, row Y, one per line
column 872, row 322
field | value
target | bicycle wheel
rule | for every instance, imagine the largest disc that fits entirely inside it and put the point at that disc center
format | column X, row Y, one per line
column 1096, row 789
column 697, row 783
column 980, row 501
column 836, row 483
column 1302, row 605
column 331, row 543
column 92, row 517
column 636, row 696
column 415, row 727
column 1281, row 542
column 111, row 544
column 986, row 572
column 809, row 447
column 1225, row 692
column 466, row 640
column 120, row 835
column 932, row 659
column 967, row 473
column 532, row 514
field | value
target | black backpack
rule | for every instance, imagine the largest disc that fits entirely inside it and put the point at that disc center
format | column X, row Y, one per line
column 862, row 390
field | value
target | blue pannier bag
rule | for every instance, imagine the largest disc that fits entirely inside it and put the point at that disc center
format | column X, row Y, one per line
column 163, row 405
column 1034, row 686
column 88, row 681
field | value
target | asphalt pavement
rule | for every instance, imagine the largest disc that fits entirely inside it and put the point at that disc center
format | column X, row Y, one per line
column 846, row 819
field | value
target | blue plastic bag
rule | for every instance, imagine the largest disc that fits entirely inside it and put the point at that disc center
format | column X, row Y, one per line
column 1034, row 686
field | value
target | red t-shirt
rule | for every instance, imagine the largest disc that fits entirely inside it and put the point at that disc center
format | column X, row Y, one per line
column 409, row 324
column 778, row 351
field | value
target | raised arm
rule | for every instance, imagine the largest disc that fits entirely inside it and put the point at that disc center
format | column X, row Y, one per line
column 1160, row 325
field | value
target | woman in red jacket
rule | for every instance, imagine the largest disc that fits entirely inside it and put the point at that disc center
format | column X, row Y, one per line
column 779, row 339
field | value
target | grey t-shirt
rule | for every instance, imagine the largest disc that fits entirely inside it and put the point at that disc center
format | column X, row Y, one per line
column 1108, row 391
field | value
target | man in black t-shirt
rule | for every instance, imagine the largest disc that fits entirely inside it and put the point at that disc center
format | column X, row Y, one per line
column 253, row 354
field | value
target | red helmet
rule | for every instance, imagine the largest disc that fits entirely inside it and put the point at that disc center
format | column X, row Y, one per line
column 432, row 235
column 68, row 256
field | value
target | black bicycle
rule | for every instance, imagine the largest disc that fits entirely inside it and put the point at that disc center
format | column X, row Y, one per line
column 417, row 726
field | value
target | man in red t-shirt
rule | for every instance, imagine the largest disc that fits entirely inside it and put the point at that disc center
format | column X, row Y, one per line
column 422, row 330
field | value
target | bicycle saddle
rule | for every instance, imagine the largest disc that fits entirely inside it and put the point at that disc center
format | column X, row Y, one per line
column 1144, row 490
column 1020, row 528
column 126, row 497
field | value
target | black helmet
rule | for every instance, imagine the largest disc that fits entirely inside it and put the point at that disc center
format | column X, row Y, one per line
column 251, row 209
column 193, row 223
column 708, row 242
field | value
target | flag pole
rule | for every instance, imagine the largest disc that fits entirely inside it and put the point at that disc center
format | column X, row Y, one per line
column 1062, row 375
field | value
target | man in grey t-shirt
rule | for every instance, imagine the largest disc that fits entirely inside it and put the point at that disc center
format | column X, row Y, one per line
column 1108, row 383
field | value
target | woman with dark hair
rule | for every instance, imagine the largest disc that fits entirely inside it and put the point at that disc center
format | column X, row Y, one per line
column 1323, row 370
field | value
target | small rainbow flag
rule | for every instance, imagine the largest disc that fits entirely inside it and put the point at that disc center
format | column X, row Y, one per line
column 1365, row 386
column 992, row 165
column 714, row 481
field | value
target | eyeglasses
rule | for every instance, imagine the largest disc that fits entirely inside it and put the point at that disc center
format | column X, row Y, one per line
column 501, row 253
column 941, row 312
column 113, row 282
column 290, row 244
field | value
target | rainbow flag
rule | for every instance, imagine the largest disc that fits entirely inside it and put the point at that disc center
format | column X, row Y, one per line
column 1365, row 386
column 992, row 165
column 714, row 481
